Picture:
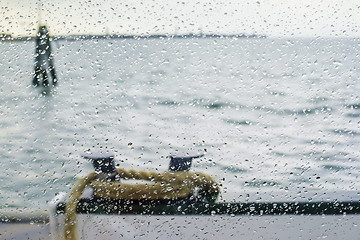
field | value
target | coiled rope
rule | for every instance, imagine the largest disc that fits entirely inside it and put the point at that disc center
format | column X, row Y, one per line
column 164, row 185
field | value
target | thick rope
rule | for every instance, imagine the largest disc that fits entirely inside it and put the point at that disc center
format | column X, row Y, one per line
column 71, row 204
column 165, row 185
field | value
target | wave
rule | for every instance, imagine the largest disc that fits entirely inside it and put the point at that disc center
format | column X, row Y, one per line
column 297, row 112
column 239, row 122
column 346, row 132
column 261, row 183
column 353, row 106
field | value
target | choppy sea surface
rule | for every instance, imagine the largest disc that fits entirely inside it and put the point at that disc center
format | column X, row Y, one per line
column 279, row 119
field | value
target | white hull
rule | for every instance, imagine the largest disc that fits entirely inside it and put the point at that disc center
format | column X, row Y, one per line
column 208, row 226
column 98, row 227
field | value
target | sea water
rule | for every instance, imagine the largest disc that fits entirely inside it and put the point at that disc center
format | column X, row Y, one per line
column 278, row 119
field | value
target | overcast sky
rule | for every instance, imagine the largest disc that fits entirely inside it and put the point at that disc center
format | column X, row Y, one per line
column 271, row 18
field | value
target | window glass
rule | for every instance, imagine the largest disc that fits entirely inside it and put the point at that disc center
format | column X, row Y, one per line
column 267, row 90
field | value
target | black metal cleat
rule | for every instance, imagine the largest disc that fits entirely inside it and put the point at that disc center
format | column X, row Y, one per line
column 181, row 161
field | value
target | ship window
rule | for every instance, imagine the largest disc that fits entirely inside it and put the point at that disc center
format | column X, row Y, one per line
column 260, row 96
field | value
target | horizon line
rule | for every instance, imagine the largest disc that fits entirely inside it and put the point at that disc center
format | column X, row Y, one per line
column 135, row 36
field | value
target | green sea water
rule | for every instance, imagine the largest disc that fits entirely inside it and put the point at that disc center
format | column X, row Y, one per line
column 277, row 118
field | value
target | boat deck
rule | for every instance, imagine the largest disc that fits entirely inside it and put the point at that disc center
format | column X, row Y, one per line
column 21, row 231
column 24, row 223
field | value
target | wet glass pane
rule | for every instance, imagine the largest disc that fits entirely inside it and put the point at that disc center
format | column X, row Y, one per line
column 260, row 97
